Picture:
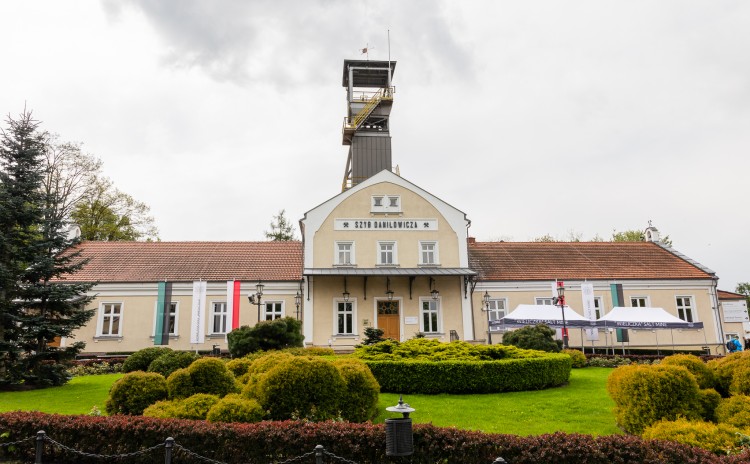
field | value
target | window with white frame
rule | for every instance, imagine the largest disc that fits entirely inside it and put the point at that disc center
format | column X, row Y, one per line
column 219, row 317
column 430, row 315
column 428, row 253
column 345, row 318
column 496, row 311
column 638, row 301
column 387, row 253
column 598, row 309
column 345, row 253
column 685, row 308
column 544, row 301
column 110, row 319
column 385, row 204
column 173, row 318
column 274, row 310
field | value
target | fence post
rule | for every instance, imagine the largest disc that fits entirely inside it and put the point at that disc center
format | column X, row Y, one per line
column 168, row 445
column 40, row 436
column 319, row 454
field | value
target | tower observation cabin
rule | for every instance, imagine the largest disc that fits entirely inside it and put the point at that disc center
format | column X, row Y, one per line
column 369, row 96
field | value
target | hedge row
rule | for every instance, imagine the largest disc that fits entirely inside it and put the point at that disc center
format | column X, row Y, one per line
column 472, row 376
column 361, row 443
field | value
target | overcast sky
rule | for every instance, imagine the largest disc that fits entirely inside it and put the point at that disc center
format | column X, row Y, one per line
column 560, row 118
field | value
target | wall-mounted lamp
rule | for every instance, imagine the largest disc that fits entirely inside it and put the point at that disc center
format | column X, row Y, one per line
column 346, row 292
column 388, row 291
column 254, row 298
column 433, row 291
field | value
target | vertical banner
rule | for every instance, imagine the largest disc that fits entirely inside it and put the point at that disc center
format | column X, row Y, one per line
column 589, row 310
column 198, row 316
column 618, row 299
column 163, row 303
column 233, row 302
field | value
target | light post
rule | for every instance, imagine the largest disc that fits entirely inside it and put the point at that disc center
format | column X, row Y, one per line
column 255, row 298
column 486, row 299
column 560, row 300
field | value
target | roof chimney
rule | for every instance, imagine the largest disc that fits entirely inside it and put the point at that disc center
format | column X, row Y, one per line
column 471, row 240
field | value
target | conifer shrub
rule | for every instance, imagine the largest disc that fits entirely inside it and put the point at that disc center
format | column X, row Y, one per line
column 703, row 374
column 265, row 335
column 141, row 359
column 362, row 390
column 310, row 351
column 578, row 358
column 646, row 394
column 135, row 391
column 533, row 337
column 301, row 388
column 710, row 400
column 179, row 384
column 161, row 410
column 210, row 375
column 239, row 366
column 235, row 408
column 724, row 368
column 195, row 407
column 740, row 384
column 171, row 361
column 735, row 411
column 717, row 438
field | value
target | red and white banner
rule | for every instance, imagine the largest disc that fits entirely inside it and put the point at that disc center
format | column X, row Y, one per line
column 233, row 303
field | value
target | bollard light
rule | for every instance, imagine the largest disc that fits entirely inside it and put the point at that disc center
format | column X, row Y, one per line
column 399, row 440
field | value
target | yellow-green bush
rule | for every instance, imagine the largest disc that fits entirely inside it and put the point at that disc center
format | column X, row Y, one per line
column 135, row 391
column 740, row 384
column 310, row 351
column 239, row 366
column 720, row 439
column 709, row 399
column 259, row 367
column 161, row 410
column 206, row 375
column 703, row 374
column 578, row 358
column 646, row 394
column 195, row 407
column 362, row 390
column 301, row 388
column 735, row 411
column 724, row 369
column 234, row 408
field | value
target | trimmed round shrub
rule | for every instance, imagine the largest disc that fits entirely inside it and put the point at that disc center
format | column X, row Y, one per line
column 210, row 375
column 740, row 384
column 234, row 408
column 135, row 391
column 179, row 384
column 361, row 399
column 533, row 337
column 239, row 366
column 578, row 358
column 703, row 374
column 724, row 369
column 735, row 411
column 720, row 439
column 171, row 361
column 647, row 394
column 195, row 407
column 710, row 400
column 161, row 410
column 141, row 359
column 259, row 367
column 311, row 351
column 301, row 388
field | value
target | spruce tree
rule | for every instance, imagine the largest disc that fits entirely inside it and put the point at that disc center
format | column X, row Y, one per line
column 37, row 307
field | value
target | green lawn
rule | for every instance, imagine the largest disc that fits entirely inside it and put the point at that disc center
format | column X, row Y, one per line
column 581, row 406
column 76, row 397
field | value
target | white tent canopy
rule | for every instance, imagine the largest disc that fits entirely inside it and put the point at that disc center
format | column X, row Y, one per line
column 644, row 318
column 542, row 314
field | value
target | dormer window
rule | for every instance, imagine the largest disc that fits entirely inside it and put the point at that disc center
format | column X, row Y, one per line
column 386, row 204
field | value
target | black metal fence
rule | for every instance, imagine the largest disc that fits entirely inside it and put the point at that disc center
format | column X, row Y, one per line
column 170, row 448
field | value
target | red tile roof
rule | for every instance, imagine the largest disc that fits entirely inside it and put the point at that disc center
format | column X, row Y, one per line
column 578, row 260
column 188, row 261
column 725, row 295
